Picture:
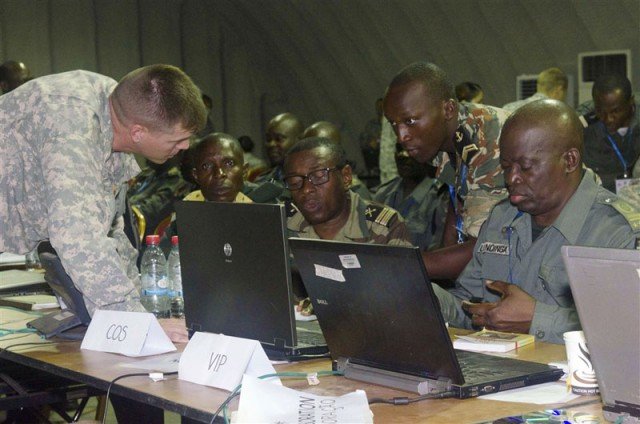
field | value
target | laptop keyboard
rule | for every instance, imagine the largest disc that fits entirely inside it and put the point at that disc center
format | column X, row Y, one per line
column 310, row 338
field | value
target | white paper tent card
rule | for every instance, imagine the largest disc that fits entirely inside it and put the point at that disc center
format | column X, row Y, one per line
column 265, row 402
column 220, row 361
column 127, row 333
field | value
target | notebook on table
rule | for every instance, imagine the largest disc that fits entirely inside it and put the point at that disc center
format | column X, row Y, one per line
column 605, row 284
column 236, row 277
column 383, row 325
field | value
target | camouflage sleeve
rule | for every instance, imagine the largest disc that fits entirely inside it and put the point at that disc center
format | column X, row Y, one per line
column 398, row 233
column 386, row 160
column 81, row 211
column 128, row 253
column 477, row 206
column 157, row 203
column 485, row 180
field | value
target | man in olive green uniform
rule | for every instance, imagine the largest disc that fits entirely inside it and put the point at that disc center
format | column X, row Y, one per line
column 516, row 278
column 323, row 207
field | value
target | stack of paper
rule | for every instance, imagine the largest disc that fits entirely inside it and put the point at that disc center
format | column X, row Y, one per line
column 265, row 402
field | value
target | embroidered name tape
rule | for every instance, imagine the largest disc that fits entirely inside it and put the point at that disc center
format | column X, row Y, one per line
column 494, row 248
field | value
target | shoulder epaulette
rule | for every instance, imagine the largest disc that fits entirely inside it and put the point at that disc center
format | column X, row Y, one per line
column 290, row 208
column 174, row 171
column 588, row 119
column 379, row 214
column 631, row 214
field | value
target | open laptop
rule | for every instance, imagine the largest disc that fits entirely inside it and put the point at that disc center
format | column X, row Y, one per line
column 236, row 277
column 383, row 325
column 606, row 289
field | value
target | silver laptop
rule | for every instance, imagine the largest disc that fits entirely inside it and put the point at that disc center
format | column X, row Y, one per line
column 606, row 289
column 236, row 277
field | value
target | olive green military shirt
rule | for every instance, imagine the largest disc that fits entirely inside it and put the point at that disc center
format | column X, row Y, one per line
column 368, row 222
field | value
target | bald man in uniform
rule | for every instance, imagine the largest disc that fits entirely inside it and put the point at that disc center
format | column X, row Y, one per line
column 516, row 278
column 328, row 130
column 12, row 75
column 283, row 131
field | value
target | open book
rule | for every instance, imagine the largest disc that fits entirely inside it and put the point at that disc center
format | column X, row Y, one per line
column 492, row 341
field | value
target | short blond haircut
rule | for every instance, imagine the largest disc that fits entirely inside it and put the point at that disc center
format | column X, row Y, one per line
column 159, row 97
column 550, row 79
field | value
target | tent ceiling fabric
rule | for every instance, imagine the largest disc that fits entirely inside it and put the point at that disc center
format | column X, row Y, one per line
column 322, row 59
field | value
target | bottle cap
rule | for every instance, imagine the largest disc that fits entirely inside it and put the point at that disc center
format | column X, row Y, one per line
column 174, row 240
column 152, row 239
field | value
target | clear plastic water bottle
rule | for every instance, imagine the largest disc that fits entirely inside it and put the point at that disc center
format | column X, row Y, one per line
column 175, row 279
column 153, row 273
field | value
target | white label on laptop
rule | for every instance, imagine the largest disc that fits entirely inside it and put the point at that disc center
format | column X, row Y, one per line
column 349, row 261
column 329, row 273
column 262, row 402
column 220, row 361
column 127, row 333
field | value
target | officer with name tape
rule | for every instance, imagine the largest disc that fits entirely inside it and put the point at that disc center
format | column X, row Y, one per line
column 516, row 280
column 316, row 173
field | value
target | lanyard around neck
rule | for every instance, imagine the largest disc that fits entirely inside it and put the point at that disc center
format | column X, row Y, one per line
column 454, row 202
column 615, row 148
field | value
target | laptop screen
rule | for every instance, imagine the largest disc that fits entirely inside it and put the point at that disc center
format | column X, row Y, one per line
column 606, row 288
column 235, row 270
column 367, row 316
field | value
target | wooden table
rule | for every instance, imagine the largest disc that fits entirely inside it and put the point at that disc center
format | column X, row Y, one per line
column 199, row 402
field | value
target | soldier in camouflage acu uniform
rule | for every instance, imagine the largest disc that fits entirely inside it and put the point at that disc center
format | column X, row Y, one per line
column 463, row 139
column 323, row 207
column 517, row 276
column 64, row 141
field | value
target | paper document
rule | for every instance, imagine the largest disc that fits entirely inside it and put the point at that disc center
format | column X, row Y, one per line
column 8, row 258
column 541, row 394
column 14, row 278
column 265, row 402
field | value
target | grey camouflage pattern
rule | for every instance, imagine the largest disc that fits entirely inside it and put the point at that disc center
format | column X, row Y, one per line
column 59, row 180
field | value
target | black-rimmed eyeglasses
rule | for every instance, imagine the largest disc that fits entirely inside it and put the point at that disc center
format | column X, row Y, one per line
column 316, row 177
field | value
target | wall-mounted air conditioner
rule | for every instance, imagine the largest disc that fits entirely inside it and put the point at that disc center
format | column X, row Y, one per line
column 526, row 86
column 591, row 65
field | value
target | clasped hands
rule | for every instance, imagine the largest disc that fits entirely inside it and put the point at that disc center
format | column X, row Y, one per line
column 512, row 313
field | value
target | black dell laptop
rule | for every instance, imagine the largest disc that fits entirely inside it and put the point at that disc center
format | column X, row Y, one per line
column 236, row 277
column 383, row 324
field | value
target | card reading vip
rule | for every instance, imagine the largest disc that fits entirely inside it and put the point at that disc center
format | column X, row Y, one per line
column 220, row 361
column 127, row 333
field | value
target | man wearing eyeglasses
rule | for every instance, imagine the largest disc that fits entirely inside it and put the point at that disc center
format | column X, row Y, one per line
column 316, row 173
